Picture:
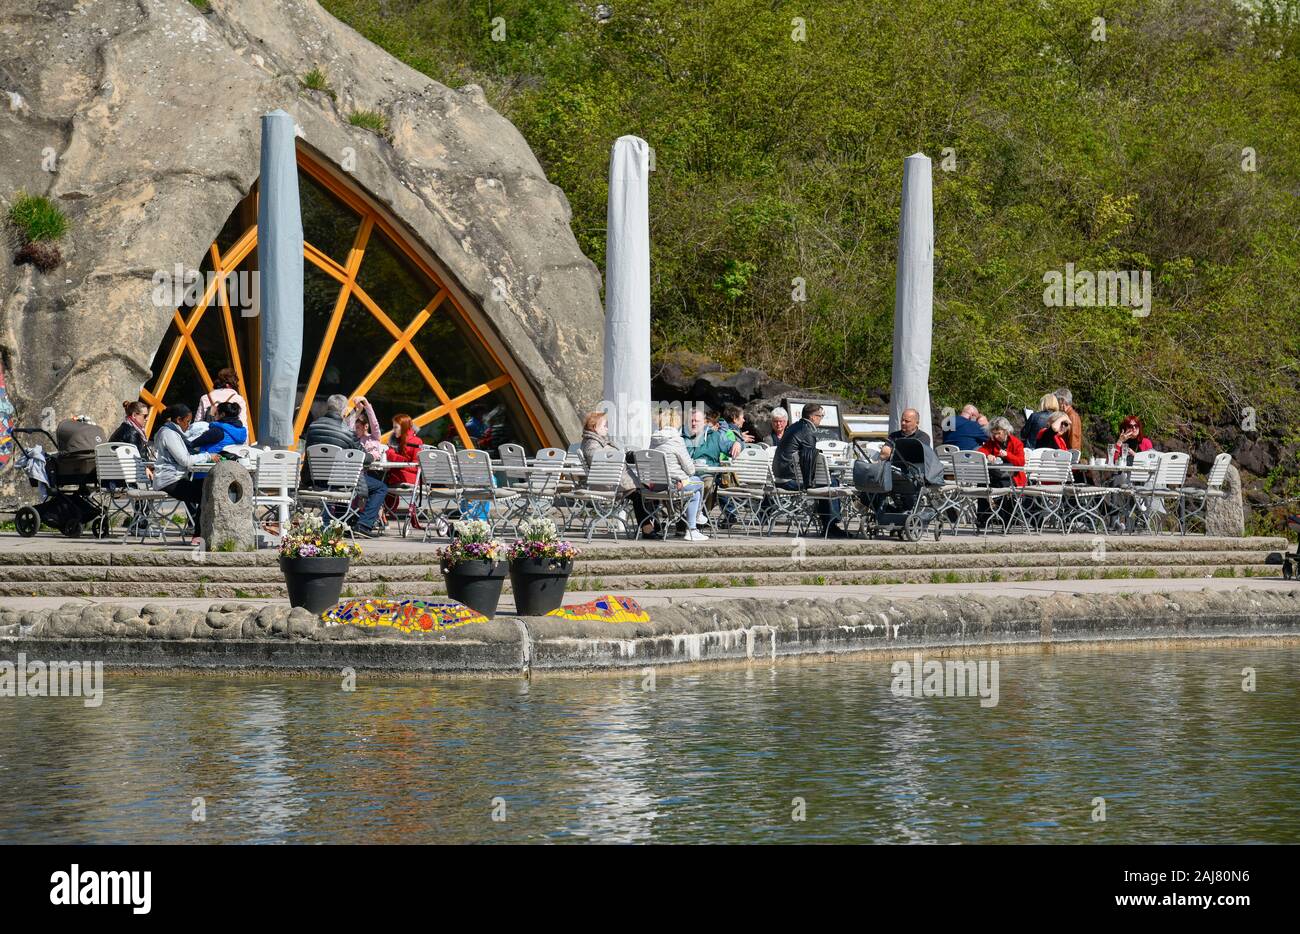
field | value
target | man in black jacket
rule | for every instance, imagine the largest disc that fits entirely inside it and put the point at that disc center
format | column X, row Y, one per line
column 796, row 460
column 331, row 429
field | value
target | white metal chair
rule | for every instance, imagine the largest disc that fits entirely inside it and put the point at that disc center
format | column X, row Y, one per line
column 1046, row 482
column 438, row 492
column 971, row 478
column 1171, row 475
column 753, row 472
column 275, row 487
column 1195, row 500
column 111, row 482
column 477, row 485
column 665, row 504
column 601, row 499
column 335, row 473
column 824, row 489
column 154, row 509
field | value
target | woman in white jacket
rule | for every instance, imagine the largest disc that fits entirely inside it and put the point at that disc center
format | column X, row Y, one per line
column 681, row 469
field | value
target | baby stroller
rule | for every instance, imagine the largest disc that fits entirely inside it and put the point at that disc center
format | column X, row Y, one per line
column 898, row 494
column 69, row 480
column 1291, row 562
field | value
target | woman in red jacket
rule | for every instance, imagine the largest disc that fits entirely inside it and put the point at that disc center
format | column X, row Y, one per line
column 1005, row 446
column 403, row 445
column 1056, row 434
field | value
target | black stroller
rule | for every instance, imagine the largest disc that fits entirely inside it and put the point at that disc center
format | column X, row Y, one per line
column 70, row 504
column 898, row 495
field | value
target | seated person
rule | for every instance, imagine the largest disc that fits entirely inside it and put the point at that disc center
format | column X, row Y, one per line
column 1034, row 425
column 1056, row 434
column 330, row 428
column 225, row 431
column 363, row 423
column 707, row 442
column 966, row 432
column 909, row 427
column 174, row 462
column 1002, row 447
column 780, row 420
column 795, row 463
column 733, row 418
column 1132, row 439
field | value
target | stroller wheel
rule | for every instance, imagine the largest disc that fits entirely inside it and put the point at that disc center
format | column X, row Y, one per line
column 71, row 528
column 913, row 528
column 27, row 521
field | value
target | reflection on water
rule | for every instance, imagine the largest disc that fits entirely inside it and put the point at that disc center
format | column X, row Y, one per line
column 1179, row 752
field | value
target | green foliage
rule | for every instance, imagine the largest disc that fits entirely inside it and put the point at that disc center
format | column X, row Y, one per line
column 203, row 6
column 315, row 80
column 37, row 218
column 778, row 159
column 371, row 120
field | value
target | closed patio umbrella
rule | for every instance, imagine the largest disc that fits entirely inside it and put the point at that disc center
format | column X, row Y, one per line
column 627, row 294
column 914, row 295
column 279, row 260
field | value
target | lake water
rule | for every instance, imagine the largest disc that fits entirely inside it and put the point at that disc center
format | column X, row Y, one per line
column 1168, row 738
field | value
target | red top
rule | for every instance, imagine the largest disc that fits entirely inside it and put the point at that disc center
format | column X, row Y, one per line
column 1048, row 438
column 1013, row 453
column 409, row 451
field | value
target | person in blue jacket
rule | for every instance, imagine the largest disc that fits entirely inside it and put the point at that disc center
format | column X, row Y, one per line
column 966, row 432
column 223, row 432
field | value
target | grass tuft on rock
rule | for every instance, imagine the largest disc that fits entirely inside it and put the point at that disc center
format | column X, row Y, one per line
column 37, row 218
column 316, row 80
column 371, row 120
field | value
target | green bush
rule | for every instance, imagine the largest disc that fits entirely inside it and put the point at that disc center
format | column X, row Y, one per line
column 38, row 218
column 315, row 80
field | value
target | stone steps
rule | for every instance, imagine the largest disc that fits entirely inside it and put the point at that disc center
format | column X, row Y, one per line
column 124, row 572
column 266, row 588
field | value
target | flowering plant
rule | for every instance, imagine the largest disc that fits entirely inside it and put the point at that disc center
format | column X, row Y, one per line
column 473, row 542
column 309, row 537
column 540, row 541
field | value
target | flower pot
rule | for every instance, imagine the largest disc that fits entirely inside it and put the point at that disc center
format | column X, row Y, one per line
column 538, row 584
column 314, row 583
column 477, row 584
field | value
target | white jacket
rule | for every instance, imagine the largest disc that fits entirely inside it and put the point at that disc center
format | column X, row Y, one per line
column 669, row 440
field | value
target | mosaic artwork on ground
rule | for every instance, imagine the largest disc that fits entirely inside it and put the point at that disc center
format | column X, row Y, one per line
column 403, row 615
column 605, row 609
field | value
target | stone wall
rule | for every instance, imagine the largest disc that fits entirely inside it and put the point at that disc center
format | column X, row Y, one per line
column 149, row 110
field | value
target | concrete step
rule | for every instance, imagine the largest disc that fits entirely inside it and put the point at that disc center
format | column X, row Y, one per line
column 225, row 588
column 697, row 564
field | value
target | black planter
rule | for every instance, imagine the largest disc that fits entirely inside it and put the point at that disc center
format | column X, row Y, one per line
column 314, row 583
column 538, row 584
column 477, row 584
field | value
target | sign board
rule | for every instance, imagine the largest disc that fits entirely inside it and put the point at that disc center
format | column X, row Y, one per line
column 829, row 429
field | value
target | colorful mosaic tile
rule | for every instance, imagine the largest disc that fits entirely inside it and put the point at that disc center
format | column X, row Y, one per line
column 605, row 609
column 403, row 615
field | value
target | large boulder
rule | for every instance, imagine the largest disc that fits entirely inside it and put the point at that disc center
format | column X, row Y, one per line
column 140, row 119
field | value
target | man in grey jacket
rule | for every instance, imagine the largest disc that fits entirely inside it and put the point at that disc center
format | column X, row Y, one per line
column 331, row 429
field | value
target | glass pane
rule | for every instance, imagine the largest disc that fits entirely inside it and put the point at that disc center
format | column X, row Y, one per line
column 319, row 293
column 454, row 357
column 185, row 385
column 327, row 223
column 394, row 283
column 359, row 344
column 496, row 419
column 440, row 429
column 400, row 390
column 160, row 356
column 210, row 338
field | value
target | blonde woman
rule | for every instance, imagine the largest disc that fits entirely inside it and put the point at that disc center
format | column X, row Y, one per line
column 681, row 469
column 1034, row 425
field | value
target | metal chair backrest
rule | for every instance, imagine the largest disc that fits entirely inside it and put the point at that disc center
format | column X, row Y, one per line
column 1145, row 464
column 1172, row 471
column 943, row 449
column 554, row 457
column 651, row 469
column 1218, row 471
column 512, row 455
column 320, row 458
column 1053, row 466
column 1075, row 455
column 945, row 453
column 821, row 471
column 474, row 468
column 242, row 451
column 606, row 470
column 448, row 447
column 437, row 469
column 277, row 472
column 970, row 468
column 753, row 468
column 345, row 469
column 834, row 449
column 111, row 466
